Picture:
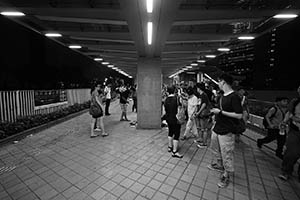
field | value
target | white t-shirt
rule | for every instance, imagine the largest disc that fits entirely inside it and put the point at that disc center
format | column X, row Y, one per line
column 192, row 105
column 107, row 90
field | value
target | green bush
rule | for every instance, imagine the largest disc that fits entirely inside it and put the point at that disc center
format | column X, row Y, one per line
column 24, row 123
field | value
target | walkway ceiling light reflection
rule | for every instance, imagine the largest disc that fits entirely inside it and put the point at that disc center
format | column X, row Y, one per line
column 105, row 63
column 12, row 13
column 150, row 28
column 75, row 47
column 201, row 61
column 246, row 38
column 285, row 16
column 98, row 59
column 149, row 6
column 53, row 35
column 223, row 49
column 210, row 56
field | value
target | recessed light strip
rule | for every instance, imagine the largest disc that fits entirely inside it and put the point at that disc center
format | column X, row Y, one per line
column 150, row 29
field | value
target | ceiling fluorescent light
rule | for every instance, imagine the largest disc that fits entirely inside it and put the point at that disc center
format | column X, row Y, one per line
column 150, row 27
column 75, row 47
column 194, row 64
column 285, row 16
column 98, row 59
column 210, row 56
column 149, row 6
column 12, row 13
column 105, row 63
column 246, row 38
column 110, row 66
column 53, row 35
column 188, row 66
column 201, row 61
column 223, row 49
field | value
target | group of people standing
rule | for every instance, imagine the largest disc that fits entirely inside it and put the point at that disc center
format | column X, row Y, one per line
column 218, row 119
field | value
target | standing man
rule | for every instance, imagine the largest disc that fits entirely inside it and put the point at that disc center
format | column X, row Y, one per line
column 107, row 93
column 124, row 93
column 222, row 139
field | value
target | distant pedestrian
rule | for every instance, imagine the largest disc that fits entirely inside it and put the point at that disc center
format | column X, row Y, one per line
column 124, row 93
column 97, row 112
column 107, row 93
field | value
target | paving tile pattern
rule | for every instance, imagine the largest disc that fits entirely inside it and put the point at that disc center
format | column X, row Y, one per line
column 63, row 162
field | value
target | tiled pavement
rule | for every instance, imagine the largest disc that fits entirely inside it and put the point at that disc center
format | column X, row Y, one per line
column 63, row 162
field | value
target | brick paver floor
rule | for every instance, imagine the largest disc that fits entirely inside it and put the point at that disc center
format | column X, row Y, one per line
column 63, row 162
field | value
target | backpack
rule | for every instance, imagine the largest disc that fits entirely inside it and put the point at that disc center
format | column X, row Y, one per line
column 180, row 113
column 265, row 123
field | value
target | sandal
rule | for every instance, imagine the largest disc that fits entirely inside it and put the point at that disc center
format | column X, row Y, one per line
column 176, row 154
column 170, row 149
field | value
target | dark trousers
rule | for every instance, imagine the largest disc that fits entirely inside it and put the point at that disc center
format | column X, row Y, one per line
column 273, row 134
column 292, row 153
column 134, row 105
column 107, row 104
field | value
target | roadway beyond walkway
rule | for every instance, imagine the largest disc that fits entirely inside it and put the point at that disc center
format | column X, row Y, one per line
column 63, row 162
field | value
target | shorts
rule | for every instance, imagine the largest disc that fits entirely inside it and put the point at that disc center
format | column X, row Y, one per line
column 123, row 107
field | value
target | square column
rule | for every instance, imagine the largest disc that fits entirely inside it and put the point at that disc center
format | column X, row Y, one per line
column 149, row 98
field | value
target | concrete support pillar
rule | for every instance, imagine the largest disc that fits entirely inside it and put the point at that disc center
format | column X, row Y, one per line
column 149, row 93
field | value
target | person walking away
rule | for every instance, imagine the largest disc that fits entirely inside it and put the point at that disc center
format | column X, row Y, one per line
column 107, row 93
column 222, row 139
column 292, row 153
column 192, row 108
column 96, row 101
column 171, row 107
column 274, row 118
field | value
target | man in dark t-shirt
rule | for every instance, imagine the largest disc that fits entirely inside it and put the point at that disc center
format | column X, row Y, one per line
column 228, row 115
column 124, row 93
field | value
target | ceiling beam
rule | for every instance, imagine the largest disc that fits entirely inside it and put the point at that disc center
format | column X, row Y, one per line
column 90, row 13
column 225, row 14
column 102, row 39
column 110, row 47
column 176, row 38
column 97, row 35
column 81, row 20
column 215, row 21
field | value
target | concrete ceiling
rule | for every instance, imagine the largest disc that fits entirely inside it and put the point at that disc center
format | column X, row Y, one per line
column 183, row 30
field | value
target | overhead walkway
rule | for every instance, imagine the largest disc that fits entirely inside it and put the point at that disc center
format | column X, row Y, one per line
column 63, row 162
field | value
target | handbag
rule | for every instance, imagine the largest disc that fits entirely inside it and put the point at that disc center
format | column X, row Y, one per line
column 180, row 116
column 96, row 110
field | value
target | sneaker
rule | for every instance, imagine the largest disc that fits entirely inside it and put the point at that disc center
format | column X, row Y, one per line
column 183, row 137
column 216, row 167
column 258, row 143
column 170, row 149
column 198, row 141
column 283, row 176
column 97, row 129
column 224, row 181
column 201, row 145
column 177, row 155
column 104, row 134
